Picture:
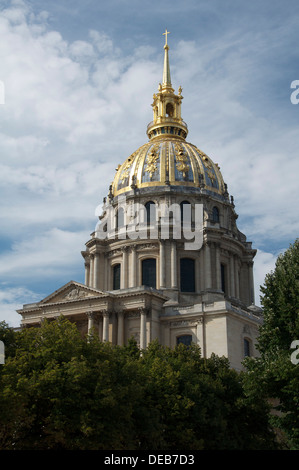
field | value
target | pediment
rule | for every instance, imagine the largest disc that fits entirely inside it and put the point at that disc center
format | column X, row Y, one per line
column 70, row 292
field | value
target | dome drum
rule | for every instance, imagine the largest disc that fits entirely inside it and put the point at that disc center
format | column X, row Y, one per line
column 169, row 127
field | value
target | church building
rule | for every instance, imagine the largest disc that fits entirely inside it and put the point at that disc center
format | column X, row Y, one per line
column 166, row 260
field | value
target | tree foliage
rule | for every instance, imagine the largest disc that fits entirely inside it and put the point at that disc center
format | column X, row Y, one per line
column 280, row 301
column 59, row 391
column 274, row 375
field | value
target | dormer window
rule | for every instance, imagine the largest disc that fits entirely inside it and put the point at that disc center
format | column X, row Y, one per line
column 150, row 208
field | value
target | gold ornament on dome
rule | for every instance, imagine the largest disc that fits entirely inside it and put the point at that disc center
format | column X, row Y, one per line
column 182, row 160
column 152, row 159
column 211, row 176
column 207, row 162
column 126, row 169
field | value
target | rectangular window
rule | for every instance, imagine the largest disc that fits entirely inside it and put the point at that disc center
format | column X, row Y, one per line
column 223, row 286
column 149, row 272
column 187, row 275
column 116, row 277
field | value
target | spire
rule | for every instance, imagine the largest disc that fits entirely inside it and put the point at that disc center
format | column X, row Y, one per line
column 166, row 106
column 166, row 70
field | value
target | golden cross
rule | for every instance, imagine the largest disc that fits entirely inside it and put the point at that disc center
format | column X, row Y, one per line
column 165, row 34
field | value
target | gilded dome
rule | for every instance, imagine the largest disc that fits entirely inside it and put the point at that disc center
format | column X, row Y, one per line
column 167, row 159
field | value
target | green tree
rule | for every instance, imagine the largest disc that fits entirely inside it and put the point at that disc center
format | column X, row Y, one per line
column 8, row 336
column 280, row 301
column 61, row 391
column 199, row 403
column 274, row 375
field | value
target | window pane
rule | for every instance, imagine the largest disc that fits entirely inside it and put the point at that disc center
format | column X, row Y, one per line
column 223, row 277
column 187, row 275
column 150, row 213
column 184, row 339
column 116, row 277
column 215, row 214
column 149, row 272
column 120, row 219
column 246, row 348
column 185, row 213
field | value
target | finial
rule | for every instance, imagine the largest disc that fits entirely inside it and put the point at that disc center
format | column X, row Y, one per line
column 166, row 70
column 165, row 34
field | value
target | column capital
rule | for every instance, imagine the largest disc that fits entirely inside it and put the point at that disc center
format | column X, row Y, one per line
column 90, row 314
column 104, row 313
column 143, row 310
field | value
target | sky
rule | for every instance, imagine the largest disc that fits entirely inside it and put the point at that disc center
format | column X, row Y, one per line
column 76, row 86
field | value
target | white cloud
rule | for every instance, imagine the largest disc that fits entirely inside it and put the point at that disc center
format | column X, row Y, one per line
column 264, row 263
column 12, row 299
column 45, row 255
column 75, row 109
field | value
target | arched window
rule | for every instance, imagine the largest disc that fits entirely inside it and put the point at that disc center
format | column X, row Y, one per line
column 169, row 110
column 149, row 272
column 247, row 347
column 184, row 339
column 186, row 215
column 215, row 214
column 187, row 274
column 116, row 276
column 150, row 208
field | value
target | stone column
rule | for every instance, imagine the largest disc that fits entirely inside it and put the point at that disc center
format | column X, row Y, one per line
column 142, row 328
column 124, row 278
column 200, row 335
column 96, row 270
column 91, row 273
column 237, row 293
column 90, row 316
column 101, row 328
column 218, row 267
column 174, row 276
column 120, row 328
column 106, row 283
column 133, row 266
column 162, row 264
column 232, row 275
column 251, row 283
column 87, row 273
column 105, row 326
column 208, row 272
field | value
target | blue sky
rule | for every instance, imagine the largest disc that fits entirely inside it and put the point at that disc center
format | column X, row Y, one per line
column 79, row 79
